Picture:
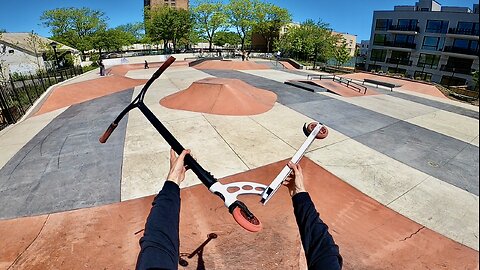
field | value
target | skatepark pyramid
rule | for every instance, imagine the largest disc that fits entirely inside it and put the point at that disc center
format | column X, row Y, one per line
column 221, row 96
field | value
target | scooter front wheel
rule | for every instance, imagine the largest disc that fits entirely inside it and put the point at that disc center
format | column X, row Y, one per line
column 251, row 224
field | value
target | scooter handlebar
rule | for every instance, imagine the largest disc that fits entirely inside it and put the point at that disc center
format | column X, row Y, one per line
column 108, row 132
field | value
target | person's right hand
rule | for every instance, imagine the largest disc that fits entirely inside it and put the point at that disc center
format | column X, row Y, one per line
column 294, row 181
column 177, row 167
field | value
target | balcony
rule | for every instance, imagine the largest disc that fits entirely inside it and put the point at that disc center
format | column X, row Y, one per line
column 464, row 32
column 405, row 29
column 456, row 69
column 399, row 61
column 396, row 44
column 463, row 51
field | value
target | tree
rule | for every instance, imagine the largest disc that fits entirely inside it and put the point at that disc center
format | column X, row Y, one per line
column 209, row 17
column 271, row 19
column 111, row 40
column 165, row 24
column 137, row 30
column 475, row 80
column 226, row 37
column 181, row 28
column 310, row 42
column 74, row 27
column 342, row 53
column 35, row 43
column 243, row 16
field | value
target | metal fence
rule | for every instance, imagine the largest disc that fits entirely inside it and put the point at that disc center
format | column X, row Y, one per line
column 19, row 93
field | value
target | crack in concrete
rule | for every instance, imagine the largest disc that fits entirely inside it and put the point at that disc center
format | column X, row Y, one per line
column 31, row 243
column 411, row 235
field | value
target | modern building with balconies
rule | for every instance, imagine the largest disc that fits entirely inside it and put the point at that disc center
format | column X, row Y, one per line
column 427, row 41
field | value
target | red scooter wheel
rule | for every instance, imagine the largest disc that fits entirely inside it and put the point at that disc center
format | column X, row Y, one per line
column 249, row 224
column 322, row 134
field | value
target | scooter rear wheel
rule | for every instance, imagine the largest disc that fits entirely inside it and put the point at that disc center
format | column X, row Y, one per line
column 322, row 134
column 249, row 224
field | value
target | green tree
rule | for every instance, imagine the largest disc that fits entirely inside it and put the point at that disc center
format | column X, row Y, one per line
column 158, row 25
column 475, row 80
column 137, row 30
column 271, row 19
column 341, row 53
column 309, row 42
column 74, row 27
column 165, row 24
column 111, row 40
column 181, row 27
column 226, row 37
column 243, row 16
column 209, row 17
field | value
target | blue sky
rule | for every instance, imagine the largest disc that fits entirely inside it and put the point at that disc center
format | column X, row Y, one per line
column 350, row 16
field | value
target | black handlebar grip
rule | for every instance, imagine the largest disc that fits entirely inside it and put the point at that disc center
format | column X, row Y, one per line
column 165, row 65
column 108, row 132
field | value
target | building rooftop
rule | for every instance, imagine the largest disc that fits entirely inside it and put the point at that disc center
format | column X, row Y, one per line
column 23, row 42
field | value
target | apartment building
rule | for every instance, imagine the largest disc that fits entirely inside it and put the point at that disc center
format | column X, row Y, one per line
column 426, row 41
column 350, row 41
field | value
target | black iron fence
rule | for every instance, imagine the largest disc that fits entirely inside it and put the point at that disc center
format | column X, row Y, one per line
column 19, row 93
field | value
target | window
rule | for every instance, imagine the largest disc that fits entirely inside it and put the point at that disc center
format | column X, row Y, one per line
column 434, row 26
column 465, row 44
column 433, row 43
column 424, row 9
column 424, row 76
column 395, row 70
column 428, row 60
column 467, row 26
column 383, row 24
column 378, row 55
column 11, row 51
column 407, row 25
column 404, row 39
column 379, row 39
column 452, row 81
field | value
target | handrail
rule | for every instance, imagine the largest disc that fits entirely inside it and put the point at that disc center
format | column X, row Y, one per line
column 345, row 81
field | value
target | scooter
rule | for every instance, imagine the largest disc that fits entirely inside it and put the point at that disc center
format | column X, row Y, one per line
column 237, row 208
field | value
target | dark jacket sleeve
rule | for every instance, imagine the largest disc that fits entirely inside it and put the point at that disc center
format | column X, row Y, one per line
column 320, row 248
column 160, row 241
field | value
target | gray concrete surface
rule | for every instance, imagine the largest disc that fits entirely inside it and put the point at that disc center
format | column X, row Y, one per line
column 64, row 166
column 441, row 156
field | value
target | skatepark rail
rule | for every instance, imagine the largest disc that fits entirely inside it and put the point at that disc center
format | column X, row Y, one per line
column 347, row 82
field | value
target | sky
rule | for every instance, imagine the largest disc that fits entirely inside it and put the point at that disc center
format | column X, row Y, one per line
column 347, row 16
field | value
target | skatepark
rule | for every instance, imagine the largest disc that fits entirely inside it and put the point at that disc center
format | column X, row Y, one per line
column 396, row 180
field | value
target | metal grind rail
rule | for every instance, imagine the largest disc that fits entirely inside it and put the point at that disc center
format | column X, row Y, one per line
column 347, row 82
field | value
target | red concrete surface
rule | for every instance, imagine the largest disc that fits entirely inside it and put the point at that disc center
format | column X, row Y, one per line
column 343, row 90
column 222, row 97
column 370, row 235
column 230, row 65
column 287, row 65
column 122, row 70
column 421, row 88
column 68, row 95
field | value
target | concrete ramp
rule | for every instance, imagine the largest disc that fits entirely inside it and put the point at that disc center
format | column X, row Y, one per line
column 370, row 235
column 222, row 97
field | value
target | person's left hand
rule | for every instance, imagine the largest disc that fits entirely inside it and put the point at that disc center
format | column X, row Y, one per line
column 177, row 167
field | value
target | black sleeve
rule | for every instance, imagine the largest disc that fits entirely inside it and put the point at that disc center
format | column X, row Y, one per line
column 320, row 248
column 160, row 241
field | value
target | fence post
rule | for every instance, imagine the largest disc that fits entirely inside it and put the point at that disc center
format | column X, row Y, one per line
column 40, row 77
column 34, row 84
column 5, row 109
column 16, row 95
column 25, row 88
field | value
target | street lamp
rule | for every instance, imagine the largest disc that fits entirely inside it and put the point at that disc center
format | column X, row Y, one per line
column 54, row 46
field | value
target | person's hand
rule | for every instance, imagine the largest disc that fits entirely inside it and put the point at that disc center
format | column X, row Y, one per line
column 177, row 167
column 294, row 181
